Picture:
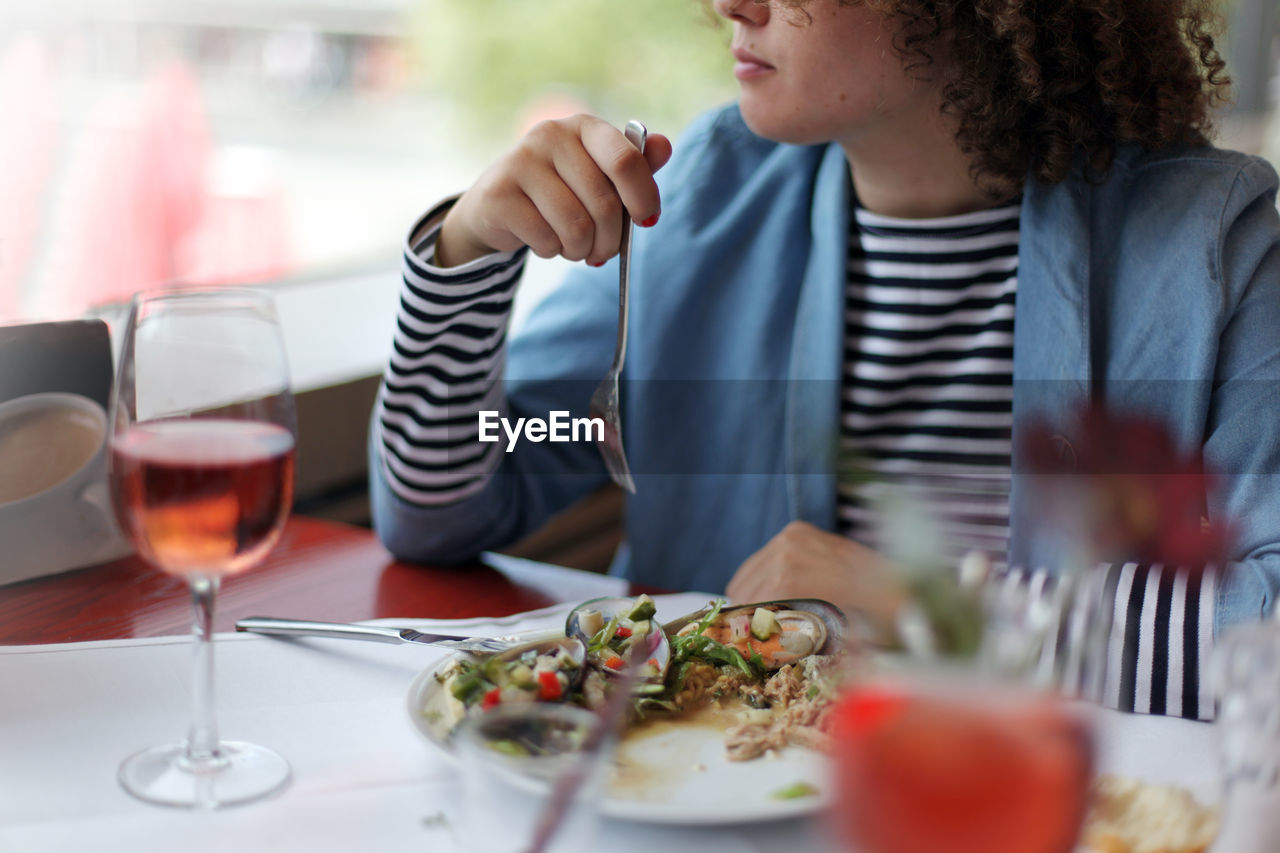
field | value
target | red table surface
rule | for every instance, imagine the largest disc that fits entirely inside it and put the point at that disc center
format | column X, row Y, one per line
column 320, row 570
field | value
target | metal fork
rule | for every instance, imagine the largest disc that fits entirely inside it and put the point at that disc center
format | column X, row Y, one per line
column 377, row 633
column 604, row 402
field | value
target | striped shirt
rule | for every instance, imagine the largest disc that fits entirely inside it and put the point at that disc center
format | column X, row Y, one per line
column 926, row 405
column 927, row 399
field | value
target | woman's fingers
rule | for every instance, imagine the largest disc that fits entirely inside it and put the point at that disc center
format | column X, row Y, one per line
column 657, row 151
column 610, row 179
column 589, row 232
column 563, row 190
column 625, row 167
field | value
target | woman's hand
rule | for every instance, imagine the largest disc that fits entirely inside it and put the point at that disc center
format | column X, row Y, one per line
column 561, row 191
column 803, row 561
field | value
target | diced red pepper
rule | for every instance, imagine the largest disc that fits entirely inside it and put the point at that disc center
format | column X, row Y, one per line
column 623, row 632
column 493, row 697
column 614, row 662
column 549, row 689
column 653, row 662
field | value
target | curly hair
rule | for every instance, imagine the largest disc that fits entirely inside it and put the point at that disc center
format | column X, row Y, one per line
column 1037, row 83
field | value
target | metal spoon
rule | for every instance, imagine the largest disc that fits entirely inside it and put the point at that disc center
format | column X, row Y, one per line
column 604, row 402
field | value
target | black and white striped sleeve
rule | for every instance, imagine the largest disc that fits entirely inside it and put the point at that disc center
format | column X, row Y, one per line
column 1160, row 641
column 1159, row 622
column 446, row 366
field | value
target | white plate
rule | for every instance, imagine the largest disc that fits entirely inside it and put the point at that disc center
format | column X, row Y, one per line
column 676, row 772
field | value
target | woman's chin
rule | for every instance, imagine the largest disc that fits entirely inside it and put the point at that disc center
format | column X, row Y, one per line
column 767, row 121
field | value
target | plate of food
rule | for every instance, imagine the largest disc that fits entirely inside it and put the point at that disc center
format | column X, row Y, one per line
column 727, row 712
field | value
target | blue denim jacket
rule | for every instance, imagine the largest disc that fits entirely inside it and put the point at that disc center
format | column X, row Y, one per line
column 1158, row 288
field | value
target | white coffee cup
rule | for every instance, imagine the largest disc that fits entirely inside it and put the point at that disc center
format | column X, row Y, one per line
column 55, row 510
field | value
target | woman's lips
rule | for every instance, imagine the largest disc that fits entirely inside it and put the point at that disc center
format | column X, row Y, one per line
column 748, row 66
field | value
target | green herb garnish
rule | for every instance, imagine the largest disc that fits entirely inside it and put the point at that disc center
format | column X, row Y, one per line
column 795, row 791
column 704, row 648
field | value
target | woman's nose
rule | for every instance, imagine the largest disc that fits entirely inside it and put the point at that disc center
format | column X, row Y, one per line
column 743, row 11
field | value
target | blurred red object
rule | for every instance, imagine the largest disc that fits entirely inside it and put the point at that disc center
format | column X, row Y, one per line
column 28, row 144
column 135, row 192
column 1139, row 496
column 939, row 772
column 149, row 202
column 244, row 234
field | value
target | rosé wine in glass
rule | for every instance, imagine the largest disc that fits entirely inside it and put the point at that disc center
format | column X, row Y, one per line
column 202, row 454
column 205, row 495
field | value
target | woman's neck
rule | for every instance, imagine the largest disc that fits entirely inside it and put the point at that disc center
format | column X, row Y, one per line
column 915, row 174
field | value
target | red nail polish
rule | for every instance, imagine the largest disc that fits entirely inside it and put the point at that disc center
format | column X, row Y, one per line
column 595, row 263
column 650, row 222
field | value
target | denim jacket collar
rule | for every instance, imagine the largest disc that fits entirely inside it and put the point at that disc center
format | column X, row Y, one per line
column 813, row 392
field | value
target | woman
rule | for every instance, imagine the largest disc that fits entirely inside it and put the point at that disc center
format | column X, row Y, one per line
column 833, row 265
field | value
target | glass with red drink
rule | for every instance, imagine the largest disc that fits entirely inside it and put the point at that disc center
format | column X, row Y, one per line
column 950, row 768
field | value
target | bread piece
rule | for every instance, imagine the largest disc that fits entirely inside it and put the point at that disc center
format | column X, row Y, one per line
column 1129, row 816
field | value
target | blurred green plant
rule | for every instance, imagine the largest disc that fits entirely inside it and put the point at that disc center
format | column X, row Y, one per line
column 944, row 615
column 662, row 61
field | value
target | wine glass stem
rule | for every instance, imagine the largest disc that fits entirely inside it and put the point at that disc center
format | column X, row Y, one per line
column 202, row 742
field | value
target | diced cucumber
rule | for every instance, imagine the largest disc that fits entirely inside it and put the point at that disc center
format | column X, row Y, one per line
column 644, row 609
column 764, row 624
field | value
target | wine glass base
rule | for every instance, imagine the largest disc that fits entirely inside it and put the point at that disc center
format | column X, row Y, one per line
column 242, row 773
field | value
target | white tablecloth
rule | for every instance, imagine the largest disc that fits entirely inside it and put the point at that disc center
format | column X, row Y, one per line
column 363, row 777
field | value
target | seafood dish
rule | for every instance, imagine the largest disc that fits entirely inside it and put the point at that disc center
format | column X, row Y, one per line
column 766, row 672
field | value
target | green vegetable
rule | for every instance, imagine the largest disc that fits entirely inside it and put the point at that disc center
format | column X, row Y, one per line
column 493, row 669
column 650, row 703
column 600, row 641
column 644, row 609
column 795, row 791
column 509, row 747
column 764, row 624
column 706, row 621
column 704, row 648
column 469, row 686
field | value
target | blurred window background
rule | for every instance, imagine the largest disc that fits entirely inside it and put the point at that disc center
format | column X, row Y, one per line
column 147, row 141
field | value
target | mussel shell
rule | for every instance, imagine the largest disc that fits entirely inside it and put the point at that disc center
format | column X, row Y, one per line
column 575, row 648
column 441, row 713
column 608, row 608
column 832, row 618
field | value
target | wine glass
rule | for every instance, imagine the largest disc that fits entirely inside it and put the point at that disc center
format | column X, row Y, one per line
column 201, row 470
